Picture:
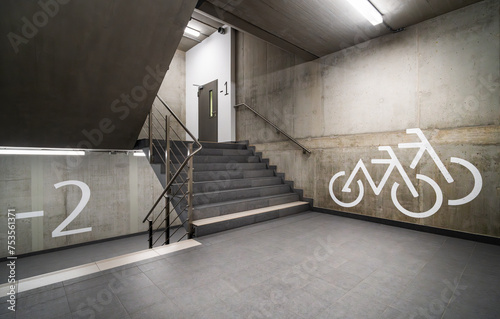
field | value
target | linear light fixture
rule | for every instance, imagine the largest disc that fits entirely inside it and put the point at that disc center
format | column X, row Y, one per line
column 41, row 152
column 139, row 154
column 192, row 32
column 368, row 11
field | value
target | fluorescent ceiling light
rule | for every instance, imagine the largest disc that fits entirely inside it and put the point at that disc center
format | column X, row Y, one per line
column 141, row 154
column 367, row 10
column 192, row 32
column 40, row 152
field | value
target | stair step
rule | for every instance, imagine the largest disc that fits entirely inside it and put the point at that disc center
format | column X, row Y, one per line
column 230, row 207
column 212, row 225
column 222, row 196
column 221, row 159
column 207, row 176
column 216, row 152
column 200, row 167
column 205, row 187
column 240, row 146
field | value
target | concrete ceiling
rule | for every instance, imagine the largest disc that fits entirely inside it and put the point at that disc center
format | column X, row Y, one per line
column 83, row 74
column 202, row 23
column 314, row 28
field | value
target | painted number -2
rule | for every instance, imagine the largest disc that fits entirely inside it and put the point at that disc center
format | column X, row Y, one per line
column 58, row 232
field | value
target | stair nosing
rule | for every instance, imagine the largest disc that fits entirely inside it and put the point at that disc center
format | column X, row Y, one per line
column 238, row 189
column 227, row 180
column 227, row 217
column 241, row 200
column 246, row 170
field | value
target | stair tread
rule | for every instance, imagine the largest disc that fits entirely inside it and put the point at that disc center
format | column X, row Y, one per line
column 218, row 219
column 249, row 179
column 239, row 189
column 224, row 145
column 242, row 200
column 225, row 180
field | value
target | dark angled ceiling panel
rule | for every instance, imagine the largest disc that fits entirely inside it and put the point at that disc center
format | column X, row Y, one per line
column 83, row 73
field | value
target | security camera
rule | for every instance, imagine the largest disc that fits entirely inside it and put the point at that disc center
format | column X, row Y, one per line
column 221, row 30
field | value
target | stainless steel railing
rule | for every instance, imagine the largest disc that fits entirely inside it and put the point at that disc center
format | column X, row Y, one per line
column 279, row 130
column 167, row 146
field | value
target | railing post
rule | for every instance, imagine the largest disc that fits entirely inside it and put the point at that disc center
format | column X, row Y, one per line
column 167, row 179
column 150, row 133
column 190, row 192
column 150, row 221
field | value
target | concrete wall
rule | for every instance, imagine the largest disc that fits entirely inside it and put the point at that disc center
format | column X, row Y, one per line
column 442, row 76
column 122, row 190
column 172, row 91
column 208, row 61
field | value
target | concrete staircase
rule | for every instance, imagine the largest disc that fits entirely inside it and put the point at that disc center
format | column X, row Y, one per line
column 233, row 187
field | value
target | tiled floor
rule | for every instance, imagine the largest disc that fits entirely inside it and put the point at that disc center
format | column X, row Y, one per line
column 304, row 266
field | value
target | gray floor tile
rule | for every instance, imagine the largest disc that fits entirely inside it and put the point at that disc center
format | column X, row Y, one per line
column 477, row 293
column 138, row 299
column 354, row 306
column 253, row 304
column 358, row 269
column 100, row 298
column 163, row 309
column 465, row 310
column 94, row 280
column 113, row 310
column 49, row 309
column 323, row 290
column 39, row 290
column 8, row 315
column 305, row 304
column 342, row 279
column 421, row 306
column 391, row 313
column 195, row 300
column 389, row 280
column 40, row 298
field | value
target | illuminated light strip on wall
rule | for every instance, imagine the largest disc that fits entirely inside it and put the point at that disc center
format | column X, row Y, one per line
column 139, row 154
column 367, row 10
column 41, row 152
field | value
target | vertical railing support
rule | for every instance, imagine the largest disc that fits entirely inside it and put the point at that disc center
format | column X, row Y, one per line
column 150, row 222
column 150, row 132
column 167, row 179
column 190, row 192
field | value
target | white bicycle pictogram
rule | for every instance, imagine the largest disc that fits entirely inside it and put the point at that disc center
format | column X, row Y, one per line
column 393, row 163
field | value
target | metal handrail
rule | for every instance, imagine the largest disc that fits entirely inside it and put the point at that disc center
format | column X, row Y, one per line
column 304, row 149
column 179, row 170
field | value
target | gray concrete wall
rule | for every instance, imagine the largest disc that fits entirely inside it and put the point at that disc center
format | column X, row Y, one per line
column 83, row 73
column 173, row 92
column 122, row 190
column 442, row 76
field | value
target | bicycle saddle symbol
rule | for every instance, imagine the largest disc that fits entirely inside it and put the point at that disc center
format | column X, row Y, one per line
column 393, row 163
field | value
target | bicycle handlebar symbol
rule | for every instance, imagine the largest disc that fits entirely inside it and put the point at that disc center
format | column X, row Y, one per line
column 393, row 162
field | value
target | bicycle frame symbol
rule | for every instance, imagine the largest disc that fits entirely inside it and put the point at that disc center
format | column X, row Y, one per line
column 393, row 162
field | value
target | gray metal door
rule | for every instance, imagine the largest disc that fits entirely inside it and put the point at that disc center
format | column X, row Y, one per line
column 207, row 112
